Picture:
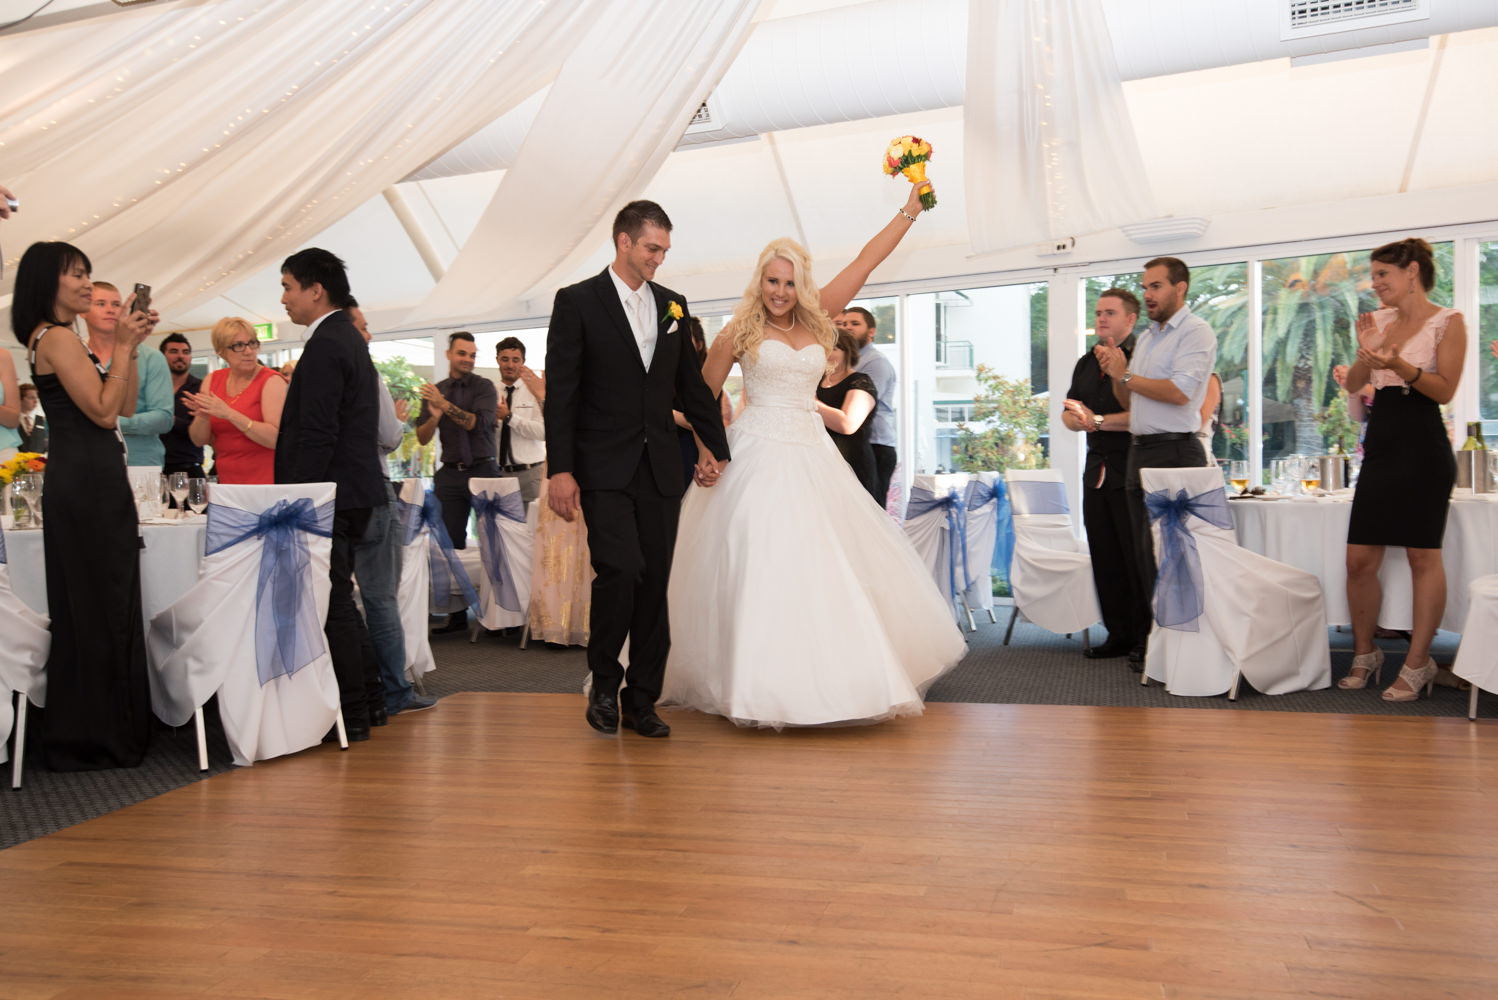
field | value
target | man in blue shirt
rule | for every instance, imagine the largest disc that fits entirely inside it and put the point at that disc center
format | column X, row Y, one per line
column 860, row 323
column 1162, row 386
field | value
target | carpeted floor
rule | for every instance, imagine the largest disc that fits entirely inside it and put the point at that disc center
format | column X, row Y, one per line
column 1037, row 668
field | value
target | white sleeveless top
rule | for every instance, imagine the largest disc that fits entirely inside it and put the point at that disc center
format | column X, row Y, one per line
column 1419, row 350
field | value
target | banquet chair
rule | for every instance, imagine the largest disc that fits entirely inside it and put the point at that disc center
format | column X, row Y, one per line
column 986, row 522
column 1224, row 614
column 251, row 629
column 1050, row 573
column 1475, row 660
column 413, row 593
column 936, row 523
column 505, row 540
column 23, row 662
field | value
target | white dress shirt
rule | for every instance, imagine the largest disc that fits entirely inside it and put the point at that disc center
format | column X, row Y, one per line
column 527, row 428
column 642, row 319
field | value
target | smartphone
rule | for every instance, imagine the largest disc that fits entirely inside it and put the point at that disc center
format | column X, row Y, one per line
column 142, row 298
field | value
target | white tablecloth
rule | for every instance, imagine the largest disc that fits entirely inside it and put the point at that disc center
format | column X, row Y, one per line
column 1312, row 535
column 168, row 565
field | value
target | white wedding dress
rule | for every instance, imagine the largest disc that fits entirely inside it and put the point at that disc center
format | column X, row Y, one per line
column 794, row 600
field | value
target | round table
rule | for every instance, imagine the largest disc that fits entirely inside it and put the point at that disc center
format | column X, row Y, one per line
column 1311, row 534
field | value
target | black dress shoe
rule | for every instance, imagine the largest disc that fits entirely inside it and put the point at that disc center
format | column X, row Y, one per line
column 603, row 711
column 1136, row 659
column 356, row 734
column 646, row 723
column 379, row 717
column 1107, row 651
column 456, row 622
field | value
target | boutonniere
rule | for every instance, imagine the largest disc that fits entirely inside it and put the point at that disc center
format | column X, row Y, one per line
column 673, row 313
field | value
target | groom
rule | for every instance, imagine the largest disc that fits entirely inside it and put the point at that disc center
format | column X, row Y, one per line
column 618, row 360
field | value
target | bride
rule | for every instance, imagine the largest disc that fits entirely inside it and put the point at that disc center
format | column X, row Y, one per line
column 794, row 601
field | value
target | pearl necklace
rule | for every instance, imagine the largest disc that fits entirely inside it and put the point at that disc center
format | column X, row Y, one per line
column 782, row 329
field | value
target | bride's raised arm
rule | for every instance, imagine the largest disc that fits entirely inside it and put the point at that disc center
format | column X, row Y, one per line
column 838, row 292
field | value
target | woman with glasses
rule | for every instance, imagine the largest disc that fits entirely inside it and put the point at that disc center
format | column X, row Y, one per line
column 239, row 410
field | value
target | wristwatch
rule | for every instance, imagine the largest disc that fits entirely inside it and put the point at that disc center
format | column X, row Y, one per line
column 1097, row 421
column 1126, row 376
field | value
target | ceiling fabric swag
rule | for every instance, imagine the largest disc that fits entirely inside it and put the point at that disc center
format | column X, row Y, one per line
column 613, row 114
column 1049, row 146
column 185, row 146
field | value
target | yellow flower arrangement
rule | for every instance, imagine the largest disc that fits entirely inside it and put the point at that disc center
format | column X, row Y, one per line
column 673, row 310
column 907, row 156
column 26, row 461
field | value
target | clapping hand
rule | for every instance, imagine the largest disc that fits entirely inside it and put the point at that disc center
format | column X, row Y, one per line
column 403, row 410
column 433, row 397
column 1339, row 375
column 1365, row 328
column 1111, row 360
column 206, row 404
column 1377, row 360
column 501, row 413
column 1082, row 412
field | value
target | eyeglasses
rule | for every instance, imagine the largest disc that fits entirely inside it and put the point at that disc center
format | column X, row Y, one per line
column 241, row 346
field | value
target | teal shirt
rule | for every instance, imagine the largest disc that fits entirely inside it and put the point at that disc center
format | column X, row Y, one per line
column 154, row 410
column 10, row 437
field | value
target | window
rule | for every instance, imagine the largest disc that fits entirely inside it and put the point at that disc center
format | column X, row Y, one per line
column 1485, row 330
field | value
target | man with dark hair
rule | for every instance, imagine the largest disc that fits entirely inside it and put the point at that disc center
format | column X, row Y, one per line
column 1162, row 386
column 33, row 425
column 153, row 401
column 180, row 454
column 327, row 434
column 1092, row 409
column 460, row 411
column 616, row 356
column 860, row 323
column 522, row 432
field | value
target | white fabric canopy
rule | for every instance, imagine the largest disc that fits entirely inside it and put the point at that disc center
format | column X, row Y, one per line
column 617, row 109
column 1049, row 146
column 245, row 127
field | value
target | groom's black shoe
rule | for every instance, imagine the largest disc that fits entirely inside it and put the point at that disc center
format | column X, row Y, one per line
column 1107, row 650
column 645, row 722
column 603, row 711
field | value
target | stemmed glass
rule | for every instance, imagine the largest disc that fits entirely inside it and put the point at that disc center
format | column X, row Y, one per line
column 177, row 485
column 197, row 494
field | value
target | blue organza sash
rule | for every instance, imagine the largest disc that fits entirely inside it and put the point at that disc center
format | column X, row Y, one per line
column 923, row 501
column 1031, row 496
column 1178, row 595
column 980, row 495
column 442, row 557
column 288, row 633
column 490, row 508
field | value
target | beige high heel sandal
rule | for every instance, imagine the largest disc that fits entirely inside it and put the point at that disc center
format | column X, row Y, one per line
column 1372, row 665
column 1422, row 677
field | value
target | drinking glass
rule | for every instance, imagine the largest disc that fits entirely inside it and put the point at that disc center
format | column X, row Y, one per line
column 1238, row 475
column 22, row 495
column 1310, row 476
column 197, row 494
column 37, row 479
column 177, row 486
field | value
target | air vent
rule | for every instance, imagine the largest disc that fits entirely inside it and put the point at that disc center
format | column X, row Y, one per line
column 1303, row 18
column 705, row 120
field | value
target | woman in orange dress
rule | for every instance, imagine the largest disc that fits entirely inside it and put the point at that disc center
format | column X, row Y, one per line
column 239, row 410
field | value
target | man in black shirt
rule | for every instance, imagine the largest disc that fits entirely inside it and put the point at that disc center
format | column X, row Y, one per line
column 181, row 454
column 1092, row 408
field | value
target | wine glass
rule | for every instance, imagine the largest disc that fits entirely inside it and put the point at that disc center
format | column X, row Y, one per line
column 1238, row 474
column 197, row 493
column 177, row 485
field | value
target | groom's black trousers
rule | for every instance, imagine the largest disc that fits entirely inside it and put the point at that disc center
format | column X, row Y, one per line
column 631, row 536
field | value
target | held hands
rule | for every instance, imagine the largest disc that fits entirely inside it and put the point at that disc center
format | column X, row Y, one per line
column 707, row 470
column 562, row 496
column 1111, row 360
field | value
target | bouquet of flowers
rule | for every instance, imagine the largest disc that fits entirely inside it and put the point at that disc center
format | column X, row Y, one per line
column 26, row 461
column 907, row 155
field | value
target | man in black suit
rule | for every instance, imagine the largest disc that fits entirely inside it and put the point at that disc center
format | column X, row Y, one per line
column 328, row 433
column 617, row 355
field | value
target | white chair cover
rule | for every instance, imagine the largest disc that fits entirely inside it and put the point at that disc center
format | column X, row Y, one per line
column 204, row 644
column 1260, row 618
column 982, row 533
column 505, row 540
column 929, row 532
column 414, row 591
column 23, row 654
column 1476, row 659
column 1050, row 574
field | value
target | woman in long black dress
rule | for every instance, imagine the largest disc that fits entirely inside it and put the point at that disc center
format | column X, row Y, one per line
column 1411, row 352
column 845, row 400
column 98, row 710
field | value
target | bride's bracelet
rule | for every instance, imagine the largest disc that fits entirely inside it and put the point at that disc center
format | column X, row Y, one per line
column 907, row 215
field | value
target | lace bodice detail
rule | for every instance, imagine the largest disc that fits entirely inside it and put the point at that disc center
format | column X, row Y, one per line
column 1419, row 350
column 780, row 390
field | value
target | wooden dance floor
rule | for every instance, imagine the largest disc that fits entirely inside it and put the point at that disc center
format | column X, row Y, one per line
column 496, row 847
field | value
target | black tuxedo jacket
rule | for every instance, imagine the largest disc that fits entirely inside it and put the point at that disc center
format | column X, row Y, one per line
column 332, row 412
column 603, row 408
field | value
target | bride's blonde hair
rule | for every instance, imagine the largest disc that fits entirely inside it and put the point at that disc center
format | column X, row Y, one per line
column 747, row 326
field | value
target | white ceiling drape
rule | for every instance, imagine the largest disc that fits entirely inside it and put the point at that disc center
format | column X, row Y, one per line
column 614, row 113
column 184, row 146
column 1049, row 146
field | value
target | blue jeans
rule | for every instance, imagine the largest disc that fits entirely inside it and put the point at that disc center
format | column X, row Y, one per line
column 377, row 567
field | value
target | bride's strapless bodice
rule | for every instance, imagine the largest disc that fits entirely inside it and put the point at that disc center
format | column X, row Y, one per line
column 780, row 389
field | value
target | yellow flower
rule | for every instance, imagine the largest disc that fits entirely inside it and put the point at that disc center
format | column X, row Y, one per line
column 674, row 310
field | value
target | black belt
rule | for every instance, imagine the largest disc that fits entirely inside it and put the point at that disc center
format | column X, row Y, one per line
column 464, row 467
column 518, row 467
column 1162, row 438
